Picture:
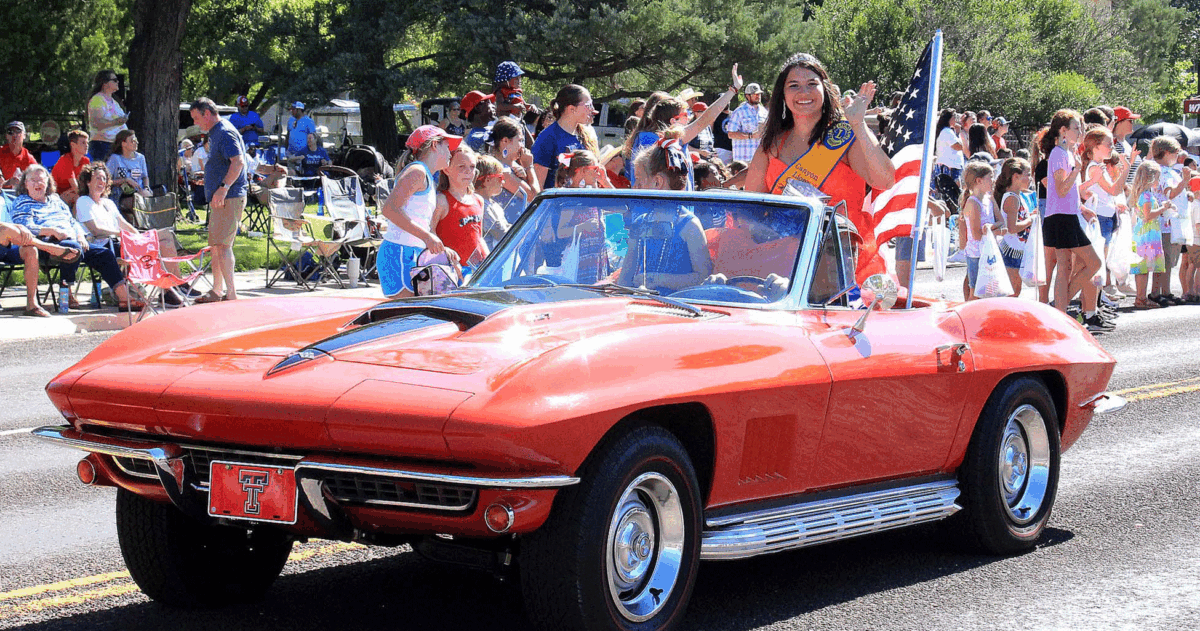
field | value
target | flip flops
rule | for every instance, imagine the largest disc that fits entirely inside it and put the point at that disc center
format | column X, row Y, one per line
column 37, row 312
column 131, row 305
column 69, row 255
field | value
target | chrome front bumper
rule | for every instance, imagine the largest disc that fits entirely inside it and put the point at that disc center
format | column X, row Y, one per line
column 1105, row 403
column 188, row 491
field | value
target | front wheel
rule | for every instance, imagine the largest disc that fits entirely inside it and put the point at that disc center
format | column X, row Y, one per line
column 621, row 549
column 1010, row 476
column 180, row 561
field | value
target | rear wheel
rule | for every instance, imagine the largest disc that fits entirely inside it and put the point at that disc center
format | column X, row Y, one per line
column 180, row 561
column 621, row 549
column 1010, row 476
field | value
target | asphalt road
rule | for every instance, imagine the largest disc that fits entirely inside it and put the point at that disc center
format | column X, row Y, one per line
column 1123, row 550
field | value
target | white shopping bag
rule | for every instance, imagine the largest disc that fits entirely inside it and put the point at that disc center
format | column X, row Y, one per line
column 939, row 240
column 1121, row 252
column 1033, row 261
column 992, row 281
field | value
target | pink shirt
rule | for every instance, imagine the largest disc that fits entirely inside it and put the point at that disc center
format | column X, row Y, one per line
column 1061, row 160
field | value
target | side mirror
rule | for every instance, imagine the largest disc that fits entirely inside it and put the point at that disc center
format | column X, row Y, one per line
column 878, row 290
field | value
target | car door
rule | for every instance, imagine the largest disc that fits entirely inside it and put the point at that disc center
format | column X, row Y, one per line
column 898, row 388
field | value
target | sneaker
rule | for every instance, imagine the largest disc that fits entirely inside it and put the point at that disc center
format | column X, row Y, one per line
column 1097, row 324
column 1105, row 301
column 1113, row 293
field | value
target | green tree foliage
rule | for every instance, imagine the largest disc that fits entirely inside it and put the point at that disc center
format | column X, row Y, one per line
column 52, row 49
column 1020, row 58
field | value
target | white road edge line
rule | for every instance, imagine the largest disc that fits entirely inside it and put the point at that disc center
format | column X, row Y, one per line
column 12, row 432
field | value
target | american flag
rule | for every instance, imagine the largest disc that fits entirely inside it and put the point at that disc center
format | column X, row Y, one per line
column 894, row 209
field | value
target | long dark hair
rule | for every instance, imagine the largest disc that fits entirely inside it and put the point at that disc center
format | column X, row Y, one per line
column 1062, row 119
column 944, row 120
column 643, row 123
column 779, row 120
column 1012, row 166
column 505, row 128
column 102, row 77
column 978, row 139
column 569, row 95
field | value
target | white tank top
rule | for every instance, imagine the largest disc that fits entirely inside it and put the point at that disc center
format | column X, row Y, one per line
column 1101, row 202
column 1013, row 239
column 986, row 216
column 419, row 209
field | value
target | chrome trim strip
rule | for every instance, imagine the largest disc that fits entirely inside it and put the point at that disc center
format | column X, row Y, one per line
column 450, row 509
column 136, row 474
column 539, row 482
column 1105, row 403
column 109, row 446
column 810, row 523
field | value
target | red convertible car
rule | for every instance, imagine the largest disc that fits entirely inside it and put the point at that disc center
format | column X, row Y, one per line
column 632, row 382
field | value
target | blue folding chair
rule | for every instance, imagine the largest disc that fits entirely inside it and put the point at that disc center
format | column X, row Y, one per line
column 50, row 158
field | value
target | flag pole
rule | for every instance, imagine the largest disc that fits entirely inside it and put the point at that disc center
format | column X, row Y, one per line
column 931, row 111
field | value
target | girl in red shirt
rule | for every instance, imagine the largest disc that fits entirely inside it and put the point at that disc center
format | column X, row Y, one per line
column 458, row 216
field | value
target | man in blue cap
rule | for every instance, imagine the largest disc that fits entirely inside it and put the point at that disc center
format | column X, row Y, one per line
column 299, row 127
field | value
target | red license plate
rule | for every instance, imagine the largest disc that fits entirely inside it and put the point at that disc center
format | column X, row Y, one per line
column 253, row 492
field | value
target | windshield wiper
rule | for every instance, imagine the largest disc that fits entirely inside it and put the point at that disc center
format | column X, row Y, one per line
column 621, row 290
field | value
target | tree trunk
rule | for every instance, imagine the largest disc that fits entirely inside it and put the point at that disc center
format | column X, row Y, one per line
column 155, row 79
column 375, row 108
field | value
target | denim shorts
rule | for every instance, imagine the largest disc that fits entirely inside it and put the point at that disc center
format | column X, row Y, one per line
column 904, row 247
column 395, row 263
column 1012, row 258
column 1106, row 228
column 972, row 270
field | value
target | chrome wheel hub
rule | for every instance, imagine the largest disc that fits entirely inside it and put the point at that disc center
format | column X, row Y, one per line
column 644, row 548
column 1024, row 465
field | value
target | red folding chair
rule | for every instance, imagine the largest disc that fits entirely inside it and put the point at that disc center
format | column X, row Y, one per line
column 146, row 270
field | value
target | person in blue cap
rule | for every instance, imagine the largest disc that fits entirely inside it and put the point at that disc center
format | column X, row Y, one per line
column 507, row 88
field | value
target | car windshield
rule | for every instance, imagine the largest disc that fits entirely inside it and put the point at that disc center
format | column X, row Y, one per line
column 720, row 250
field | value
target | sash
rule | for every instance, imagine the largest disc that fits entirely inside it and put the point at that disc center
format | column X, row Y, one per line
column 819, row 161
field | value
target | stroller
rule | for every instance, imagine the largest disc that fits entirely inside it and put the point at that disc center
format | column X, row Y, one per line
column 367, row 162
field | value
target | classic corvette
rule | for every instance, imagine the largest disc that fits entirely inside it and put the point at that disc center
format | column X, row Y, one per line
column 632, row 382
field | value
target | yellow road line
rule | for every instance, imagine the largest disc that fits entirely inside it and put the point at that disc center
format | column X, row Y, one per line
column 25, row 592
column 55, row 602
column 1165, row 392
column 64, row 600
column 1156, row 386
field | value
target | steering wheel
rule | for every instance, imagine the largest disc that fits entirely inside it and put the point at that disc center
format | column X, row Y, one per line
column 538, row 280
column 738, row 280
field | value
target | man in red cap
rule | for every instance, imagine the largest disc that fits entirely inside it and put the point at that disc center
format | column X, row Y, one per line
column 1122, row 127
column 248, row 123
column 14, row 157
column 480, row 111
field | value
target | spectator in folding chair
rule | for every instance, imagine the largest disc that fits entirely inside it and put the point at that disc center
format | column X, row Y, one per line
column 225, row 188
column 104, row 223
column 14, row 157
column 312, row 158
column 44, row 214
column 66, row 170
column 18, row 246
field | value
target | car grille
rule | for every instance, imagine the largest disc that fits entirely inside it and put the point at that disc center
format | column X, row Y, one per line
column 199, row 460
column 137, row 467
column 366, row 489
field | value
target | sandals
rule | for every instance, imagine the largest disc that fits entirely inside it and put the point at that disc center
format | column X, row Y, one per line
column 37, row 312
column 69, row 255
column 131, row 305
column 207, row 298
column 1143, row 305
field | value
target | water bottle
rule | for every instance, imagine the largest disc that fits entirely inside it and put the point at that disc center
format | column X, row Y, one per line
column 64, row 300
column 353, row 267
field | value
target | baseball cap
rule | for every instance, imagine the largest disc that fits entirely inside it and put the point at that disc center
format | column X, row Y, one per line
column 242, row 100
column 753, row 88
column 298, row 105
column 1124, row 113
column 425, row 132
column 1001, row 121
column 1195, row 184
column 507, row 70
column 473, row 99
column 699, row 107
column 15, row 125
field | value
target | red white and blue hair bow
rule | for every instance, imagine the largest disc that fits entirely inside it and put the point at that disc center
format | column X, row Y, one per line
column 676, row 159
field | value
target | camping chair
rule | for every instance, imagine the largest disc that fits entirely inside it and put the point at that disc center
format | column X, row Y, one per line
column 148, row 277
column 351, row 229
column 288, row 234
column 6, row 201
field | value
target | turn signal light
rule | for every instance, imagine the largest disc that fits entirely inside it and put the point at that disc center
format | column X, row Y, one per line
column 498, row 517
column 86, row 471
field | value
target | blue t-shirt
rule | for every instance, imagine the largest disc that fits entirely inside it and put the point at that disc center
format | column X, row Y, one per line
column 310, row 160
column 476, row 138
column 120, row 168
column 251, row 118
column 224, row 142
column 553, row 140
column 298, row 130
